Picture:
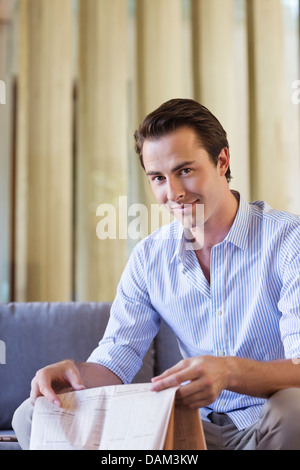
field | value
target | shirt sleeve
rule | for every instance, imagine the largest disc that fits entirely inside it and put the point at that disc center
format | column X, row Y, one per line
column 133, row 322
column 289, row 303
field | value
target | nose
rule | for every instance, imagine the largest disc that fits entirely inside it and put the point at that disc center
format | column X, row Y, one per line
column 176, row 191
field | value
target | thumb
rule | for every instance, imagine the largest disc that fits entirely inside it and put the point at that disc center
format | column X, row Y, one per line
column 74, row 378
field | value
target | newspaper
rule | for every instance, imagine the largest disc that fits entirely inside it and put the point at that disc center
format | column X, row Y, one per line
column 114, row 417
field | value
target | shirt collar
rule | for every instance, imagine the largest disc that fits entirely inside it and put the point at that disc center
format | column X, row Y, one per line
column 238, row 233
column 181, row 243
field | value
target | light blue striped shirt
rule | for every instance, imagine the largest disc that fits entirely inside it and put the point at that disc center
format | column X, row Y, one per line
column 250, row 308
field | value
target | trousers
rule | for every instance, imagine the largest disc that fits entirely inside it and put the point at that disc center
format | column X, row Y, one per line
column 278, row 426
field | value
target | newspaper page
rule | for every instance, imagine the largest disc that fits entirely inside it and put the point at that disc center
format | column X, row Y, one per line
column 116, row 417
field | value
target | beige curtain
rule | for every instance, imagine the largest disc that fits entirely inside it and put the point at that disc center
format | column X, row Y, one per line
column 101, row 160
column 266, row 98
column 88, row 71
column 44, row 160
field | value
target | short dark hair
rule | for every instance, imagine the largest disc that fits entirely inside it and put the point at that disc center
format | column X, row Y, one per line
column 178, row 113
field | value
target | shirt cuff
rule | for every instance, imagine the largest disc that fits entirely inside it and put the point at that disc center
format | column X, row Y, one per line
column 119, row 359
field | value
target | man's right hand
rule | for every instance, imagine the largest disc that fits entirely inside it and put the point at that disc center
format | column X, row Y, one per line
column 56, row 378
column 69, row 375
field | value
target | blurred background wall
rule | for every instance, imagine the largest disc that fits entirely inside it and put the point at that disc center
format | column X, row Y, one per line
column 79, row 75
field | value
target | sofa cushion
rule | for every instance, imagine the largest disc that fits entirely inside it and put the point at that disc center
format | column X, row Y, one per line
column 40, row 333
column 166, row 349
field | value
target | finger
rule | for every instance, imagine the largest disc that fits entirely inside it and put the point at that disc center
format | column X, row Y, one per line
column 167, row 379
column 43, row 388
column 192, row 387
column 34, row 392
column 200, row 398
column 197, row 393
column 179, row 366
column 171, row 381
column 174, row 379
column 195, row 403
column 73, row 377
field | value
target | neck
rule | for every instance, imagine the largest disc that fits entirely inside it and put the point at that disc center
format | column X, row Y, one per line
column 217, row 227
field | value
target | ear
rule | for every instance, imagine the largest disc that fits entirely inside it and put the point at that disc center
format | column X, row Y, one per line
column 223, row 161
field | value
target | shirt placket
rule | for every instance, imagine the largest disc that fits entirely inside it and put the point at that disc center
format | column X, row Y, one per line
column 194, row 273
column 218, row 312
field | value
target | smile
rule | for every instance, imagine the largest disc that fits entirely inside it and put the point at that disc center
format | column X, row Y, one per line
column 184, row 206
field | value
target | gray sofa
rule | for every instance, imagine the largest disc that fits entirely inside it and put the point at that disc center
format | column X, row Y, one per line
column 35, row 334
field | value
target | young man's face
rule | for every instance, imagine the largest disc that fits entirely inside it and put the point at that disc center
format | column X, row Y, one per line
column 182, row 176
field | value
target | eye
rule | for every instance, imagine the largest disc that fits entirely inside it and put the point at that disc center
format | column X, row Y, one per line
column 185, row 171
column 158, row 178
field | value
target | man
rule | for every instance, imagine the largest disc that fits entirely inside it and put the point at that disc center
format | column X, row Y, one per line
column 226, row 280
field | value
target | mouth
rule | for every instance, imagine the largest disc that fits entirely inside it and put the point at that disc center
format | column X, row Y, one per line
column 183, row 207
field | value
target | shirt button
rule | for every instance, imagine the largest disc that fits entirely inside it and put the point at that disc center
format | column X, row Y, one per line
column 221, row 353
column 222, row 403
column 218, row 313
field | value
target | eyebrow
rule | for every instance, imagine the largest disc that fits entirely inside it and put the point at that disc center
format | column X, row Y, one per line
column 176, row 168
